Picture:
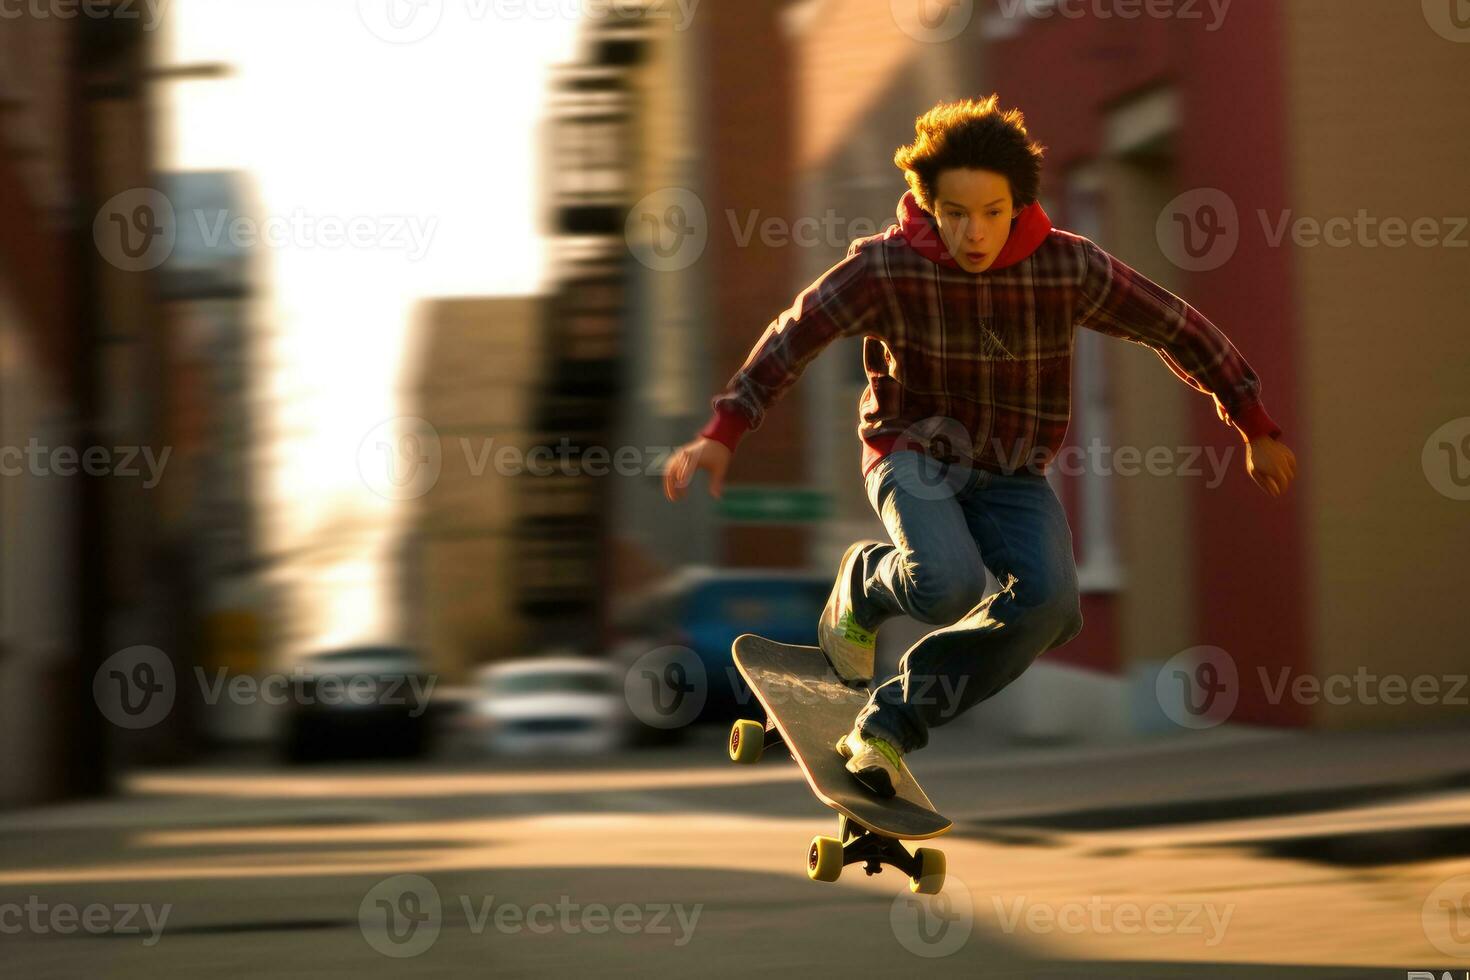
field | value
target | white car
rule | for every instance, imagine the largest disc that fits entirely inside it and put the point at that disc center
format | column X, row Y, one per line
column 563, row 704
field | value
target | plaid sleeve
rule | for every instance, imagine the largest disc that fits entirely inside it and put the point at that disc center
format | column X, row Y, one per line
column 1121, row 302
column 841, row 303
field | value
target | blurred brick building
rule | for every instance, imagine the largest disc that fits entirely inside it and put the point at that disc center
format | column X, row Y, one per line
column 81, row 360
column 478, row 371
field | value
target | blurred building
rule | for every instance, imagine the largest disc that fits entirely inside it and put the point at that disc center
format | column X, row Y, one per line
column 81, row 358
column 1287, row 110
column 209, row 508
column 478, row 377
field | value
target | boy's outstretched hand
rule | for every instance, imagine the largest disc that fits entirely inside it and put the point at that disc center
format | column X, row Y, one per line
column 701, row 454
column 1270, row 464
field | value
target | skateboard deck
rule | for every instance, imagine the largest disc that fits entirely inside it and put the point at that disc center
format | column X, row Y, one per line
column 811, row 709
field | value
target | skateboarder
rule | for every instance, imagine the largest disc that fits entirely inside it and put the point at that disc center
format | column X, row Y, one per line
column 967, row 309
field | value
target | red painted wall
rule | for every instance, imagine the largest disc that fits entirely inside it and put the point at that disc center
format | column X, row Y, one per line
column 1065, row 74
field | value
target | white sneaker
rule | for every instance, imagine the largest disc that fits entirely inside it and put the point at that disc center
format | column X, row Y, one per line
column 849, row 646
column 873, row 761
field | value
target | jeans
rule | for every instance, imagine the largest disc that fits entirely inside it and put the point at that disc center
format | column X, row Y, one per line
column 945, row 520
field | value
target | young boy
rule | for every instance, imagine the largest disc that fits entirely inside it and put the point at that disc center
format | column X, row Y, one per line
column 967, row 308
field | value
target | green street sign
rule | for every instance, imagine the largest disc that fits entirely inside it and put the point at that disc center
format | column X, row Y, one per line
column 774, row 505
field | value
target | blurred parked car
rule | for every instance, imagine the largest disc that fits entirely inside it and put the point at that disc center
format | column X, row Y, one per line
column 550, row 704
column 359, row 702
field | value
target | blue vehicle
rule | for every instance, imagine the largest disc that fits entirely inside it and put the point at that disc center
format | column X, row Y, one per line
column 705, row 609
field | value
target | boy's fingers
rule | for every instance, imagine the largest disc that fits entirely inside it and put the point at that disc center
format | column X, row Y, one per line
column 671, row 478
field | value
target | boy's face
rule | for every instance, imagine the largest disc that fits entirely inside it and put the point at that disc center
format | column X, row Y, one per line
column 974, row 211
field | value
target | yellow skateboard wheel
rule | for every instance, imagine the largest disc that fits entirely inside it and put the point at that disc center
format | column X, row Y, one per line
column 747, row 741
column 824, row 860
column 931, row 872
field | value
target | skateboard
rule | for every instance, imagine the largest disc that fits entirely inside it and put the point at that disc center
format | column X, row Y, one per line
column 808, row 709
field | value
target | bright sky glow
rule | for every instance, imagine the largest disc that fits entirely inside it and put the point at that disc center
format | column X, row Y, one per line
column 431, row 147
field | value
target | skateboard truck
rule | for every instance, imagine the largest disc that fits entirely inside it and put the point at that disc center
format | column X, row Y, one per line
column 854, row 843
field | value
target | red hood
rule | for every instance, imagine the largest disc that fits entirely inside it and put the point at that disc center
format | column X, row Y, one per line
column 1028, row 230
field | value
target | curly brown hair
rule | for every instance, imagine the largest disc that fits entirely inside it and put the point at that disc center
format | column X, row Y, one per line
column 971, row 133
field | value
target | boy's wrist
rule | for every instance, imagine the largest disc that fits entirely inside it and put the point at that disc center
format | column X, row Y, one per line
column 726, row 427
column 1255, row 423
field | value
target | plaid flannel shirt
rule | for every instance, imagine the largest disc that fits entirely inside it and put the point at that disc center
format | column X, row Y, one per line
column 973, row 366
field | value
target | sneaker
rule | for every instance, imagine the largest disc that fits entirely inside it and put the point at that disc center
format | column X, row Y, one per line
column 874, row 762
column 850, row 647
